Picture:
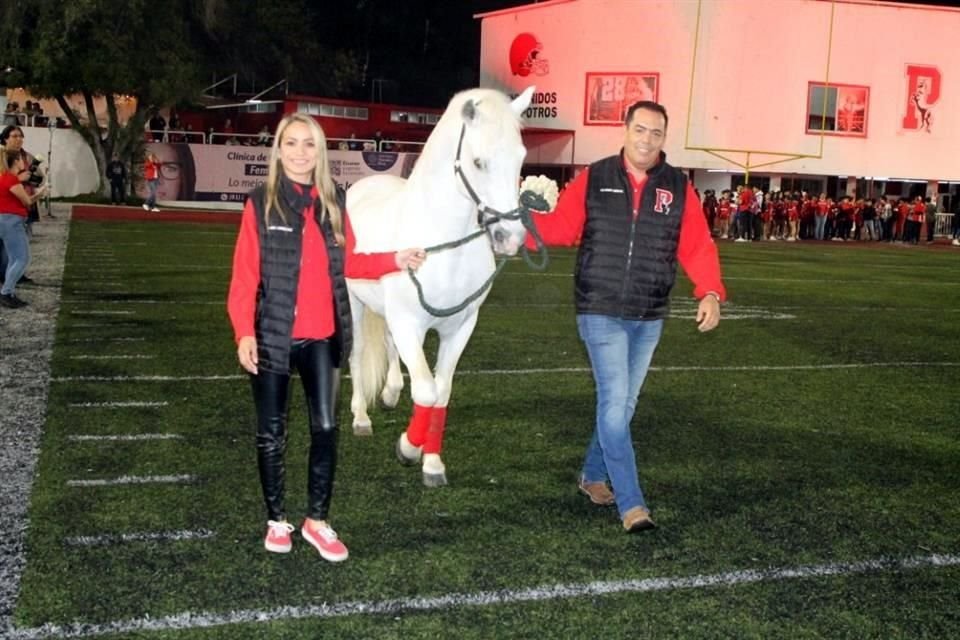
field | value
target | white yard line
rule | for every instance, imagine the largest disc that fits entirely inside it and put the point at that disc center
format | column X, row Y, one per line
column 108, row 326
column 524, row 372
column 220, row 303
column 105, row 339
column 110, row 482
column 906, row 283
column 118, row 405
column 125, row 438
column 162, row 267
column 101, row 313
column 187, row 620
column 114, row 357
column 150, row 536
column 144, row 378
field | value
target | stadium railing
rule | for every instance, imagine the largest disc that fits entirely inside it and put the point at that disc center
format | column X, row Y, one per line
column 943, row 226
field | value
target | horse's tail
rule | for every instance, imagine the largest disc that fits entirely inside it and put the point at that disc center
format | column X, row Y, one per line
column 373, row 355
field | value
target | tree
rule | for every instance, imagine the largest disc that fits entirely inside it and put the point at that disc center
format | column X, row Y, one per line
column 158, row 52
column 89, row 48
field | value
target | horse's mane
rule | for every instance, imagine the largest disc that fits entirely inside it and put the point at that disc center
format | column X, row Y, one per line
column 492, row 109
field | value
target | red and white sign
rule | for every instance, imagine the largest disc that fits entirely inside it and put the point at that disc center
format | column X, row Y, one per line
column 526, row 56
column 922, row 93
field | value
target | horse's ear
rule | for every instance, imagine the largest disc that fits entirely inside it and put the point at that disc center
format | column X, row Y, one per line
column 522, row 101
column 469, row 111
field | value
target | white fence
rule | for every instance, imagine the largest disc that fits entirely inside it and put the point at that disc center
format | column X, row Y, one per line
column 943, row 225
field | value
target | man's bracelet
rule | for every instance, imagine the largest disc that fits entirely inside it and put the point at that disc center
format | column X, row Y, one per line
column 715, row 295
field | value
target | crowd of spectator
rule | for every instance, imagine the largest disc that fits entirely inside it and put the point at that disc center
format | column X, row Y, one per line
column 747, row 214
column 742, row 215
column 29, row 115
column 160, row 129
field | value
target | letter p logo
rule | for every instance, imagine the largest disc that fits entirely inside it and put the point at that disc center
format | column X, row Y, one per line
column 923, row 91
column 663, row 201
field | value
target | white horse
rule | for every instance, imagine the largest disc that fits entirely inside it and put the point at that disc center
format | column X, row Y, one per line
column 470, row 163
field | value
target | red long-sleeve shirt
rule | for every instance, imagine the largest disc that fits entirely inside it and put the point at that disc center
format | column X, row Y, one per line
column 151, row 170
column 696, row 251
column 313, row 313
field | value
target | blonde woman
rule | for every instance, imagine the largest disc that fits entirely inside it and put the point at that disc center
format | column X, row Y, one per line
column 289, row 309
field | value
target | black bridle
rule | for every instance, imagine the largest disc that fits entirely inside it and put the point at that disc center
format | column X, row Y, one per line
column 486, row 217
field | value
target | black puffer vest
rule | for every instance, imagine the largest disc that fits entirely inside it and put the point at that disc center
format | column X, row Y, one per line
column 281, row 245
column 627, row 266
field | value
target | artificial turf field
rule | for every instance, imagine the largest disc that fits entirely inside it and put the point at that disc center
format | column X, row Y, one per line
column 802, row 463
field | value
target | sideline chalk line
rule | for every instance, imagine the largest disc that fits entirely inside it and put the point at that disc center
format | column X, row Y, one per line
column 203, row 620
column 515, row 372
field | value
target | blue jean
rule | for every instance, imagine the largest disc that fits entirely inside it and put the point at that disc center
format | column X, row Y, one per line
column 821, row 226
column 620, row 353
column 13, row 235
column 152, row 193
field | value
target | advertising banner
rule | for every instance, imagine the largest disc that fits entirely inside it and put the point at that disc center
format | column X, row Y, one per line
column 226, row 173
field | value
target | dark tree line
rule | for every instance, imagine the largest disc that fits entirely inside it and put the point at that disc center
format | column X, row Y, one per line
column 163, row 53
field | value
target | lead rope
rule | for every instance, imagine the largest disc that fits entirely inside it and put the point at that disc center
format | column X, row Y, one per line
column 529, row 201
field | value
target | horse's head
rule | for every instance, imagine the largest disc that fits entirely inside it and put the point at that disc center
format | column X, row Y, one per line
column 489, row 156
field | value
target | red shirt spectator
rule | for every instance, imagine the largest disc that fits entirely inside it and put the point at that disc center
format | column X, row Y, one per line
column 9, row 203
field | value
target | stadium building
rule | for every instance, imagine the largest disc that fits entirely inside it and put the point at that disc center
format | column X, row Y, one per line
column 844, row 97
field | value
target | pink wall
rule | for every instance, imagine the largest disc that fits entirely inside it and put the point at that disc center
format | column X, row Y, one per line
column 754, row 62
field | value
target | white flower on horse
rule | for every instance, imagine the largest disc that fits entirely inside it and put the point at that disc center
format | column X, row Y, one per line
column 544, row 187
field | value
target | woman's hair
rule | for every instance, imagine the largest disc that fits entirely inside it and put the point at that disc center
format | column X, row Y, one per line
column 9, row 158
column 7, row 130
column 326, row 188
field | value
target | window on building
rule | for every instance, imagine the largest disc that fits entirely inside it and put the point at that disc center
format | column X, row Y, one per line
column 262, row 107
column 414, row 117
column 837, row 109
column 333, row 110
column 810, row 185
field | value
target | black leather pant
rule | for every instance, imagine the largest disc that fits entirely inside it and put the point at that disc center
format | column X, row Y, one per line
column 271, row 395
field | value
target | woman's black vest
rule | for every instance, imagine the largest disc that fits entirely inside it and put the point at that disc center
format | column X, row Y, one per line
column 627, row 266
column 281, row 245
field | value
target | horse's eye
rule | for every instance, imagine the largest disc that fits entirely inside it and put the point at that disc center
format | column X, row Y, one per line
column 480, row 164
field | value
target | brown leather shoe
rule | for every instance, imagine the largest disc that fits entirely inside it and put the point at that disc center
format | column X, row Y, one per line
column 598, row 492
column 637, row 519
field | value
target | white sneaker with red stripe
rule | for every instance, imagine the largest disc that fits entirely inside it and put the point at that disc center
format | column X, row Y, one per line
column 278, row 536
column 325, row 540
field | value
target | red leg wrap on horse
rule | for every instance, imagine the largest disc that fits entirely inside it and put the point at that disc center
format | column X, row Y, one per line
column 438, row 423
column 419, row 423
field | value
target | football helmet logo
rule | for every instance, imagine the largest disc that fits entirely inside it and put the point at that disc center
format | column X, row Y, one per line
column 526, row 56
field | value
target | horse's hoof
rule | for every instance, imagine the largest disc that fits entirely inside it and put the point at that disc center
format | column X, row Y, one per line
column 434, row 480
column 404, row 459
column 364, row 430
